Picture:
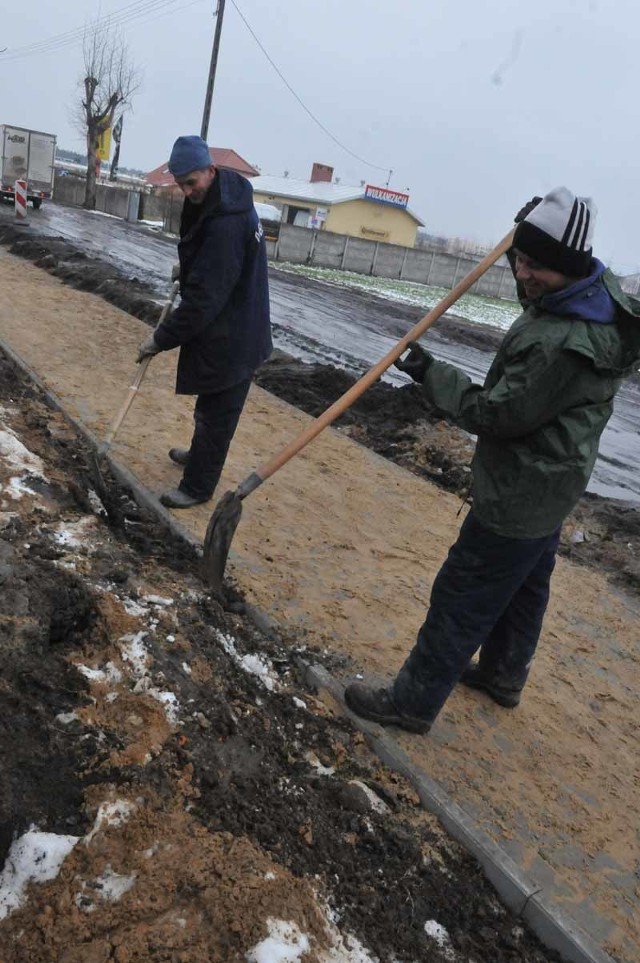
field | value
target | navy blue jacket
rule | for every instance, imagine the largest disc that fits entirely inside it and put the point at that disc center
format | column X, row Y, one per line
column 222, row 322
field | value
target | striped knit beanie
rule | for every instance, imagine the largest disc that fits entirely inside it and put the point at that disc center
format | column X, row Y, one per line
column 558, row 233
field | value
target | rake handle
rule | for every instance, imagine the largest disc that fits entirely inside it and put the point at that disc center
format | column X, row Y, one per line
column 346, row 400
column 114, row 427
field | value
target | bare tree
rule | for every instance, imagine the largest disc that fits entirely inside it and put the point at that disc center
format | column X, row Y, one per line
column 109, row 82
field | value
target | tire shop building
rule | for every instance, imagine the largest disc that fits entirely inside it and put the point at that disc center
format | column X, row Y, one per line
column 368, row 212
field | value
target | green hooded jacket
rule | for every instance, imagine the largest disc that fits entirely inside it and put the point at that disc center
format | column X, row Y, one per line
column 540, row 413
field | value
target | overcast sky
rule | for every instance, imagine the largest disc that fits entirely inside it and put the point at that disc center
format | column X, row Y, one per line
column 475, row 104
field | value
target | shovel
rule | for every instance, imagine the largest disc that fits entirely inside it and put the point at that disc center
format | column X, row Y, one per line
column 114, row 427
column 227, row 512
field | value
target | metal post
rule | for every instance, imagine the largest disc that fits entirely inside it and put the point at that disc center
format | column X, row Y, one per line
column 433, row 257
column 455, row 273
column 344, row 252
column 313, row 247
column 212, row 70
column 404, row 261
column 375, row 258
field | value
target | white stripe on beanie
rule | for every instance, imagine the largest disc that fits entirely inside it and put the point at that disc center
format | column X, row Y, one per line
column 566, row 218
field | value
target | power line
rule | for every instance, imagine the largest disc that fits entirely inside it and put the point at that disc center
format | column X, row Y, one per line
column 301, row 102
column 123, row 15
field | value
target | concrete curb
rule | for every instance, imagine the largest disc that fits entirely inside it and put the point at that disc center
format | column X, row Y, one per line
column 523, row 896
column 142, row 495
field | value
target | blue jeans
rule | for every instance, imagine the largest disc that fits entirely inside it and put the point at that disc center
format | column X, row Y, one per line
column 491, row 594
column 216, row 418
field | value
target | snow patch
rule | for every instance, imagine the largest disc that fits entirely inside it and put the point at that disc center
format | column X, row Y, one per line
column 16, row 488
column 285, row 944
column 313, row 760
column 110, row 673
column 33, row 858
column 157, row 600
column 377, row 804
column 254, row 664
column 66, row 717
column 135, row 652
column 110, row 814
column 134, row 608
column 437, row 932
column 110, row 888
column 496, row 312
column 96, row 503
column 74, row 534
column 17, row 457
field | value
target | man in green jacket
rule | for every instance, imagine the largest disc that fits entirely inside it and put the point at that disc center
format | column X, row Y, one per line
column 538, row 417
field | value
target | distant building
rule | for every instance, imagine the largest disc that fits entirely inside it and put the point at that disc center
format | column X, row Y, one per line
column 220, row 156
column 370, row 212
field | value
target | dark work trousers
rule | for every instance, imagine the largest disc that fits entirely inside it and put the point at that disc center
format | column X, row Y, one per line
column 491, row 594
column 216, row 418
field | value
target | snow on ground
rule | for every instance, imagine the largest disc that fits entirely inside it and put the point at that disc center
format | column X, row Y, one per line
column 491, row 311
column 287, row 944
column 33, row 858
column 254, row 664
column 113, row 813
column 19, row 462
column 37, row 857
column 108, row 888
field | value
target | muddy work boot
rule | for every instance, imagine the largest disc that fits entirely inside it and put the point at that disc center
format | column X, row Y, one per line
column 475, row 678
column 176, row 498
column 378, row 706
column 179, row 455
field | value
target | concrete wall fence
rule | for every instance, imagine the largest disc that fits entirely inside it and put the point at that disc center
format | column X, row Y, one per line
column 299, row 245
column 116, row 199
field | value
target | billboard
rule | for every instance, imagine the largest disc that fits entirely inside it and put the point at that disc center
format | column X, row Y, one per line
column 382, row 195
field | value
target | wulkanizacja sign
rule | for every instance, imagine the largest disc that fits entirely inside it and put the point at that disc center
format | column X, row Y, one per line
column 384, row 196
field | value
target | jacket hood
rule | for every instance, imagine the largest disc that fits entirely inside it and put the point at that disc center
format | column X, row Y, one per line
column 230, row 193
column 234, row 194
column 613, row 348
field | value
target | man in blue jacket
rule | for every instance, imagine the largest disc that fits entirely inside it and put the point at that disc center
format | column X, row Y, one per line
column 222, row 324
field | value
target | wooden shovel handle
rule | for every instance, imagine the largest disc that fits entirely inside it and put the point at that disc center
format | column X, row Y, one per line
column 354, row 392
column 142, row 370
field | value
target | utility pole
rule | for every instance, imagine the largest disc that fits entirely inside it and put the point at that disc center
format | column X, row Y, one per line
column 212, row 70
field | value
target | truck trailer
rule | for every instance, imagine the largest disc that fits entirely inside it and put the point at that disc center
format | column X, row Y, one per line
column 27, row 155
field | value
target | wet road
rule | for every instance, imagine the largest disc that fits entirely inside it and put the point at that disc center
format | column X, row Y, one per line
column 319, row 322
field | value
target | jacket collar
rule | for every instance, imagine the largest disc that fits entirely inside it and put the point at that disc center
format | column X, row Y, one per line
column 586, row 300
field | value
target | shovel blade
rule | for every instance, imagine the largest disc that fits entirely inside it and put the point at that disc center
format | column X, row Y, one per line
column 217, row 542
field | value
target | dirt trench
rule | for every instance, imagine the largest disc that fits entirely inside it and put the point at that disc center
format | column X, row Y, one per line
column 193, row 830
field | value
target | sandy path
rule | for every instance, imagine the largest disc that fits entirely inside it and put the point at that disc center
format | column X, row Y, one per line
column 341, row 547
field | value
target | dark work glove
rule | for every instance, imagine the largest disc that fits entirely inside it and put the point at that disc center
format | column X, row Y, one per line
column 528, row 207
column 416, row 362
column 147, row 349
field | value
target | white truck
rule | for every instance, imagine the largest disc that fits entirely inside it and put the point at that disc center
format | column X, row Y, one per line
column 26, row 155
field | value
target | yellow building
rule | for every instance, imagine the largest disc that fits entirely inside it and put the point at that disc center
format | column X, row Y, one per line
column 369, row 212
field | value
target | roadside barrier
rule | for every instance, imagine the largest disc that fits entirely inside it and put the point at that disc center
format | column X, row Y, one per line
column 21, row 199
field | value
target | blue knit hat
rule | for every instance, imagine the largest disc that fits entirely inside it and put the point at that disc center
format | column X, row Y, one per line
column 189, row 153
